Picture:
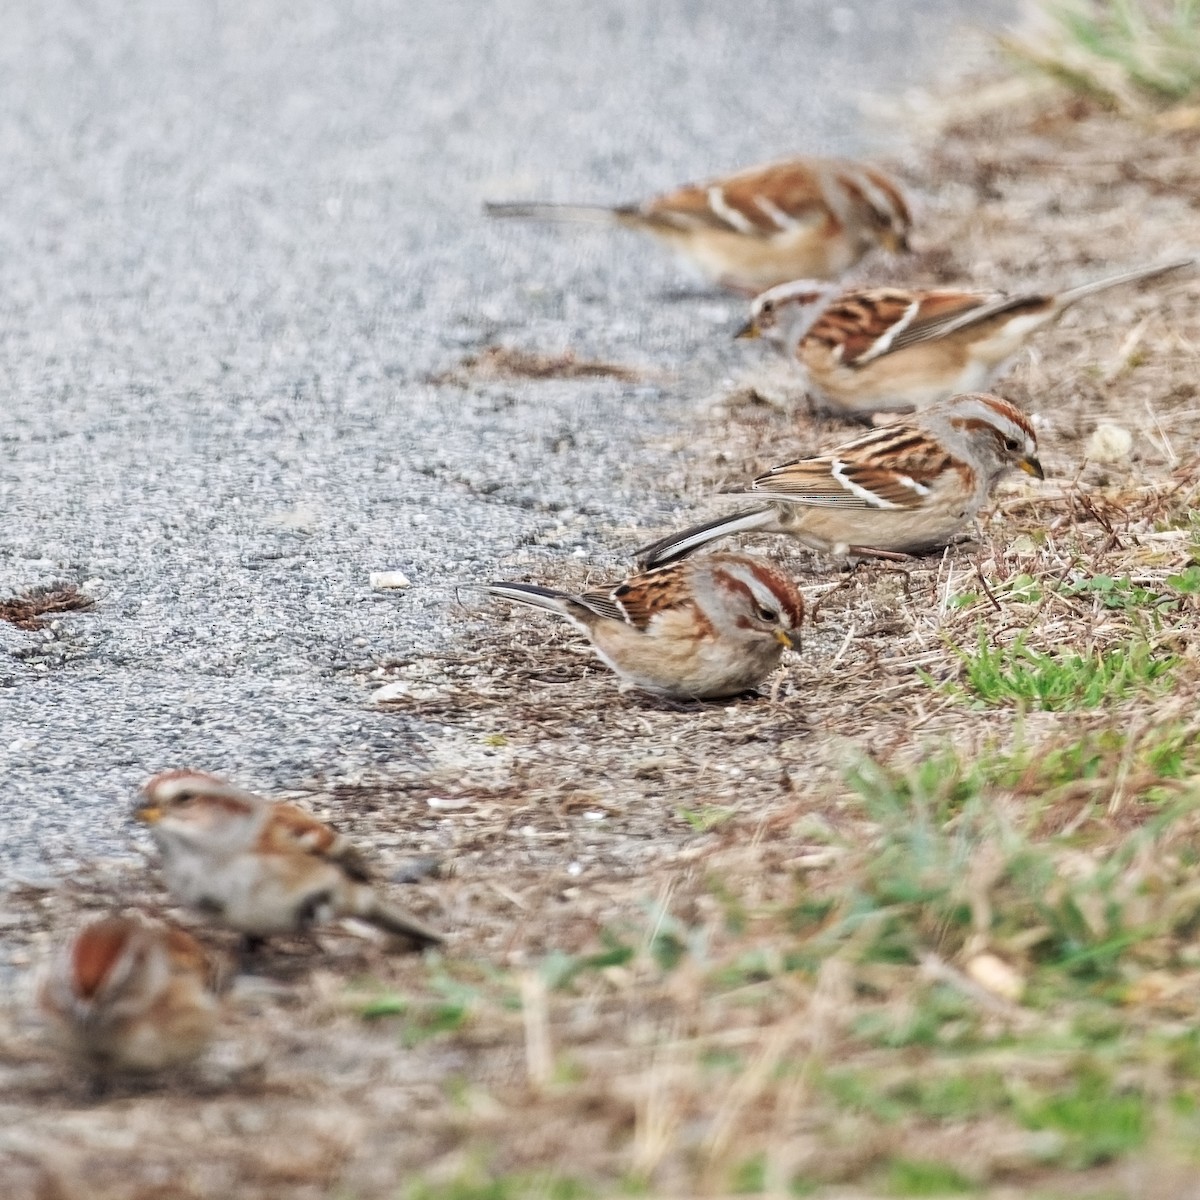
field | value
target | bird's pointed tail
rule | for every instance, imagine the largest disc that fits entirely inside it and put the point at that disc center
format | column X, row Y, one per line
column 678, row 545
column 540, row 210
column 1071, row 295
column 530, row 593
column 395, row 920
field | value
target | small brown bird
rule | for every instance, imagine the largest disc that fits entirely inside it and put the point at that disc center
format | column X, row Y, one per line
column 891, row 349
column 901, row 489
column 801, row 218
column 701, row 629
column 131, row 994
column 258, row 867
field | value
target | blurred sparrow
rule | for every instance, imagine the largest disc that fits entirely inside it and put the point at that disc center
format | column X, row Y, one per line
column 131, row 994
column 890, row 349
column 708, row 627
column 811, row 217
column 901, row 489
column 259, row 867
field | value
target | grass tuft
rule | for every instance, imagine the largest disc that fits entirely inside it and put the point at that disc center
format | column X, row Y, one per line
column 1096, row 1120
column 1015, row 674
column 914, row 1177
column 474, row 1186
column 952, row 868
column 1129, row 54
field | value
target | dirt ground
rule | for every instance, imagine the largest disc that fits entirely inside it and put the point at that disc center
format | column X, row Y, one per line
column 665, row 971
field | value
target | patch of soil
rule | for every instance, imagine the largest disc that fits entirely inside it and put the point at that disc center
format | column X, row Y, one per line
column 496, row 363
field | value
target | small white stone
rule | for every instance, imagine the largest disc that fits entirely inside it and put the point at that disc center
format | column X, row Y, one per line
column 383, row 581
column 574, row 869
column 594, row 816
column 448, row 803
column 996, row 976
column 1109, row 444
column 391, row 691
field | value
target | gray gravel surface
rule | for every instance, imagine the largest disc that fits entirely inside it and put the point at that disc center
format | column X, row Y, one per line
column 237, row 240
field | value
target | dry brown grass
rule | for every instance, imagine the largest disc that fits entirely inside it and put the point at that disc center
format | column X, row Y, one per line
column 868, row 934
column 1136, row 56
column 510, row 362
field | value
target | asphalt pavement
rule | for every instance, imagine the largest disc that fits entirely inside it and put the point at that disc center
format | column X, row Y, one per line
column 239, row 240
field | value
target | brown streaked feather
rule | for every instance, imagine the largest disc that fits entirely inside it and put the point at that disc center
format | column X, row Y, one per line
column 809, row 481
column 907, row 451
column 789, row 186
column 643, row 597
column 855, row 322
column 95, row 951
column 291, row 829
column 847, row 179
column 887, row 484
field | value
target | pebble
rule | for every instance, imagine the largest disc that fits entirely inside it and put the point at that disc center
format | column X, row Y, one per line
column 1109, row 444
column 449, row 803
column 996, row 976
column 383, row 581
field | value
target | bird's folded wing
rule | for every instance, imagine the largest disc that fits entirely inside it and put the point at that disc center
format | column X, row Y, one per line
column 291, row 830
column 863, row 326
column 837, row 483
column 760, row 203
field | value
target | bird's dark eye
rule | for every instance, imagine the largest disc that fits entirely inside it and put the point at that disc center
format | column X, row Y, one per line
column 1012, row 445
column 767, row 614
column 184, row 798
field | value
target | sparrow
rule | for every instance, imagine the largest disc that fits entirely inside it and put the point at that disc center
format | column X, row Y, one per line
column 889, row 349
column 705, row 628
column 128, row 993
column 901, row 489
column 812, row 217
column 259, row 867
